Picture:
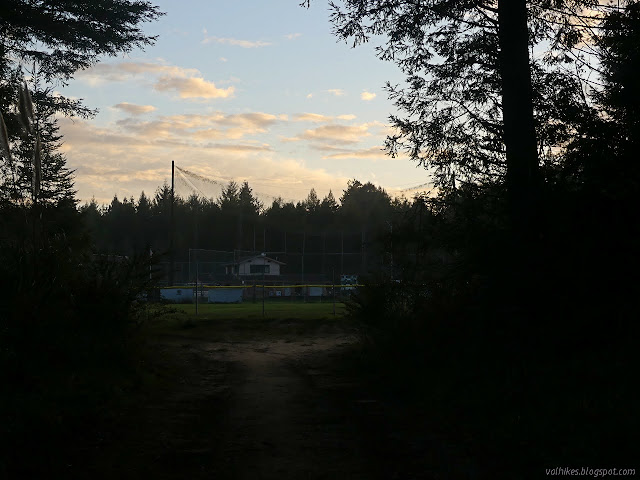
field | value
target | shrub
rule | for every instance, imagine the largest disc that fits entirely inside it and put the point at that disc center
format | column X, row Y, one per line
column 67, row 332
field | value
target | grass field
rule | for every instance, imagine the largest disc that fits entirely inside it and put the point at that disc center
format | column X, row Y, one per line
column 279, row 310
column 245, row 321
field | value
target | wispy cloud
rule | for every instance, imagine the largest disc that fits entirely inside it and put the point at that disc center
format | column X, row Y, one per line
column 192, row 87
column 338, row 92
column 121, row 71
column 367, row 96
column 373, row 152
column 201, row 127
column 124, row 159
column 235, row 42
column 318, row 118
column 333, row 134
column 187, row 82
column 133, row 109
column 292, row 36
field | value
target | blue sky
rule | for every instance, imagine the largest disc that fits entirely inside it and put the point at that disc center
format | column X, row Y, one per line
column 245, row 90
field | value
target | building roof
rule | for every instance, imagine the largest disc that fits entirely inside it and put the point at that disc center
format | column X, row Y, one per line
column 248, row 259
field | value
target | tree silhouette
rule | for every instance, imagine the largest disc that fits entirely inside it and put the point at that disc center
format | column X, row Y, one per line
column 66, row 36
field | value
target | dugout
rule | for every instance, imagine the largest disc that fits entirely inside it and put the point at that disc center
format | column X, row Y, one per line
column 225, row 295
column 177, row 295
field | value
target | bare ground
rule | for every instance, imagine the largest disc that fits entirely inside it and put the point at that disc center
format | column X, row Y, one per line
column 238, row 406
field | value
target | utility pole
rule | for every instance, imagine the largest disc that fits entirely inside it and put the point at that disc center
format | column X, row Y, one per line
column 171, row 226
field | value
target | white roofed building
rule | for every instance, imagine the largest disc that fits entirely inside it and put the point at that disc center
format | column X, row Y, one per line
column 255, row 266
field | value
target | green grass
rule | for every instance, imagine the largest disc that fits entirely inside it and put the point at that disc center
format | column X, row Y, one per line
column 240, row 322
column 248, row 310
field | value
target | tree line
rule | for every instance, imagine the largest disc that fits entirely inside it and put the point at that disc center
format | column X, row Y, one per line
column 362, row 218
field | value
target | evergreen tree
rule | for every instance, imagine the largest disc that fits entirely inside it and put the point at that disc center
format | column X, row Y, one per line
column 56, row 185
column 329, row 203
column 230, row 196
column 66, row 36
column 55, row 40
column 249, row 204
column 469, row 96
column 312, row 202
column 143, row 207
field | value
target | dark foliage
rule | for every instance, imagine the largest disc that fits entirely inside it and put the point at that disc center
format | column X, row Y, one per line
column 530, row 359
column 67, row 336
column 64, row 37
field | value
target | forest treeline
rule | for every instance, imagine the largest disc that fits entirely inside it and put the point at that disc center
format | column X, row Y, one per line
column 237, row 220
column 364, row 231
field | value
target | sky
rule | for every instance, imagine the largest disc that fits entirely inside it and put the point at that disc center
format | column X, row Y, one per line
column 245, row 90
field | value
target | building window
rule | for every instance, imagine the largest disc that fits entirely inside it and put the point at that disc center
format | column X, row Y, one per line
column 259, row 268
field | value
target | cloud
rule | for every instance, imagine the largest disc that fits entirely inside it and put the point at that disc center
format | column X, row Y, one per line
column 338, row 92
column 367, row 96
column 238, row 148
column 118, row 72
column 317, row 118
column 292, row 36
column 187, row 82
column 373, row 152
column 123, row 160
column 133, row 109
column 333, row 134
column 192, row 87
column 235, row 42
column 201, row 127
column 223, row 59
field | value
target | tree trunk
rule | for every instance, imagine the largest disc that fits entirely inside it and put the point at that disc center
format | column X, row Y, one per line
column 519, row 129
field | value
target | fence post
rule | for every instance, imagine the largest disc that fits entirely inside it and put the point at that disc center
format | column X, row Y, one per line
column 197, row 288
column 333, row 290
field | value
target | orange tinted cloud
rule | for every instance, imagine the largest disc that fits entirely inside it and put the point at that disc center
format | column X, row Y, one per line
column 134, row 109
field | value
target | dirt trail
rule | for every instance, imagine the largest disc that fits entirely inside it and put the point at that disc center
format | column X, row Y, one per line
column 282, row 425
column 242, row 410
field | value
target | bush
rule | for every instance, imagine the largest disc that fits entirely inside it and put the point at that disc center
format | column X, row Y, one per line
column 66, row 342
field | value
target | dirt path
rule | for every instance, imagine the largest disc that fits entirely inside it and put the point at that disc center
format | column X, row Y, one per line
column 282, row 424
column 242, row 410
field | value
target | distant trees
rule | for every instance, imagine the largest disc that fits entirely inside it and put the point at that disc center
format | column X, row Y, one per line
column 360, row 224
